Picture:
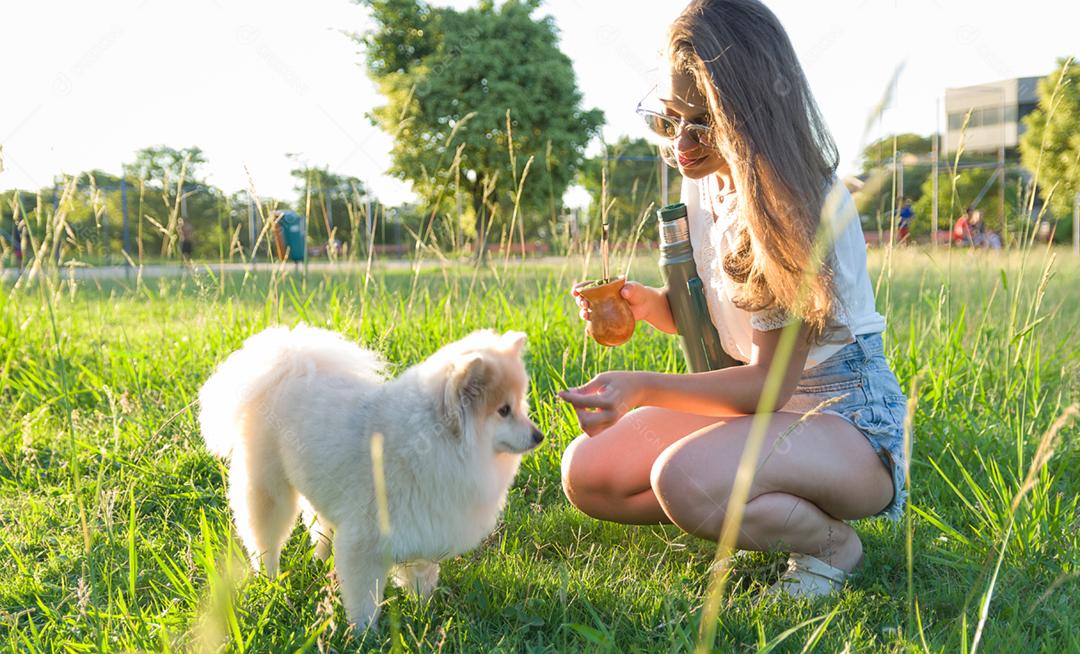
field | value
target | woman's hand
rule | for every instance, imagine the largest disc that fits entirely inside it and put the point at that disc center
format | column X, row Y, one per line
column 642, row 299
column 606, row 398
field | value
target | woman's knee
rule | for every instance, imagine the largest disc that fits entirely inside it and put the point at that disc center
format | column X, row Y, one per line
column 591, row 480
column 579, row 472
column 691, row 501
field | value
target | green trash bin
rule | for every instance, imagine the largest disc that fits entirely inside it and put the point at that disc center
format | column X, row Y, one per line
column 289, row 236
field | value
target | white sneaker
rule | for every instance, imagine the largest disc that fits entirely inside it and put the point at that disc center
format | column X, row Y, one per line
column 807, row 577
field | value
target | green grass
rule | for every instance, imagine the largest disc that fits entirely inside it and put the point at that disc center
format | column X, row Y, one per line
column 115, row 534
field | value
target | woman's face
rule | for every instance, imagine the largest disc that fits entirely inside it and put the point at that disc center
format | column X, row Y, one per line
column 683, row 101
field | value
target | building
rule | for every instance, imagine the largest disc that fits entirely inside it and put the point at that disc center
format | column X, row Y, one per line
column 986, row 131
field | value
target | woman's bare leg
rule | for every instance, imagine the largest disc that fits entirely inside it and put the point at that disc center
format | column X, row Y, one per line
column 607, row 475
column 822, row 472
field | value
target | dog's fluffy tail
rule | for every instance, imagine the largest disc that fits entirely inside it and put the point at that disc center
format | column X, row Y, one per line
column 246, row 379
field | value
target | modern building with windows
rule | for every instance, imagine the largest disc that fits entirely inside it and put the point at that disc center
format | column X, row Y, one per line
column 997, row 110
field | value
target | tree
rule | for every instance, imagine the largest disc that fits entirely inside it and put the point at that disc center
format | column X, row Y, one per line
column 957, row 194
column 153, row 176
column 880, row 152
column 1050, row 147
column 162, row 164
column 335, row 202
column 460, row 86
column 876, row 202
column 15, row 205
column 633, row 176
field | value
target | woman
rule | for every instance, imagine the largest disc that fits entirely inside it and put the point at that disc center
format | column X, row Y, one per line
column 758, row 167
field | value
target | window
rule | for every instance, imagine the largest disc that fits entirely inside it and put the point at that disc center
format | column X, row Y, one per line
column 983, row 117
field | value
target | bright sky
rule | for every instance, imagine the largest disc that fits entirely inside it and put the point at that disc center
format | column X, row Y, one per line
column 88, row 83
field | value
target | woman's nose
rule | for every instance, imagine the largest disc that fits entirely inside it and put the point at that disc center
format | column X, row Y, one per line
column 685, row 142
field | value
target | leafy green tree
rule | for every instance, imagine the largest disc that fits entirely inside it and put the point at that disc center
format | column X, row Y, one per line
column 880, row 152
column 875, row 203
column 153, row 176
column 460, row 86
column 407, row 34
column 15, row 205
column 15, row 202
column 956, row 194
column 633, row 177
column 162, row 164
column 1051, row 145
column 331, row 203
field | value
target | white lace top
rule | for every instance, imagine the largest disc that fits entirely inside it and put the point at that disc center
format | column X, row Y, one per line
column 712, row 222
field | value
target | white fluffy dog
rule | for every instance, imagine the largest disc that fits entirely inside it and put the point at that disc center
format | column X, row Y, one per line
column 296, row 411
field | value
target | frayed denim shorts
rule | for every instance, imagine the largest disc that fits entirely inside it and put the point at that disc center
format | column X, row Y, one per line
column 869, row 397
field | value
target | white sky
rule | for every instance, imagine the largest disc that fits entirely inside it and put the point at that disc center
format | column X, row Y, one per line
column 85, row 84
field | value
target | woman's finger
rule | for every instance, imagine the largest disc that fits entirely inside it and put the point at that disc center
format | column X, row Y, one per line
column 595, row 385
column 587, row 400
column 594, row 422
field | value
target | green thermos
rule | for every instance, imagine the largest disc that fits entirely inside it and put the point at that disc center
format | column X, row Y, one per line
column 686, row 294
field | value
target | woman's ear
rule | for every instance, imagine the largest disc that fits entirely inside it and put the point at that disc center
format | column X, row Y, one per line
column 466, row 381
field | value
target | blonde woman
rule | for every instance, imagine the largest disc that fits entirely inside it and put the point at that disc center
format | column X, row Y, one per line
column 759, row 180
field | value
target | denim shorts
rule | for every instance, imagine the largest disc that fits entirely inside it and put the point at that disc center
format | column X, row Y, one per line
column 869, row 398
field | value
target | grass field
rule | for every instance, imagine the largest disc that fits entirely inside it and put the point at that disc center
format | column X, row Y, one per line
column 115, row 534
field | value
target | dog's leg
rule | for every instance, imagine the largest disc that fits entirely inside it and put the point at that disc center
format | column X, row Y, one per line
column 264, row 505
column 321, row 533
column 417, row 577
column 361, row 571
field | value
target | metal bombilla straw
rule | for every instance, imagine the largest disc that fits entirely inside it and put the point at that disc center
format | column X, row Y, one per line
column 604, row 251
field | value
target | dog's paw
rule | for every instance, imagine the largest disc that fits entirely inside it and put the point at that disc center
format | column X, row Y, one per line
column 363, row 627
column 418, row 578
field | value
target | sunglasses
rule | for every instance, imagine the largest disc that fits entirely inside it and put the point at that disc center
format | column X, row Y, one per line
column 671, row 128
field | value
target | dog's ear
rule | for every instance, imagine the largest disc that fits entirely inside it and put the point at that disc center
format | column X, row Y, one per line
column 471, row 377
column 465, row 384
column 514, row 342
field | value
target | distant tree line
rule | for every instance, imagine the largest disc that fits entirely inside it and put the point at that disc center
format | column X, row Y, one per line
column 489, row 129
column 164, row 187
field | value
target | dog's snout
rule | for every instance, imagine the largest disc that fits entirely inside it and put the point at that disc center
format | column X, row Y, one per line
column 537, row 437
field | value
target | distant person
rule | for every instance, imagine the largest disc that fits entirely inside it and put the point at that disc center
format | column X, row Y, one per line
column 187, row 241
column 961, row 232
column 980, row 235
column 977, row 228
column 16, row 243
column 906, row 214
column 1046, row 231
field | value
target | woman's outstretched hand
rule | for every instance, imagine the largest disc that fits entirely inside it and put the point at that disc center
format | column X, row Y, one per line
column 600, row 403
column 638, row 296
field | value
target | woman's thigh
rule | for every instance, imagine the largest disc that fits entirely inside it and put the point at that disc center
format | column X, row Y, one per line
column 617, row 461
column 824, row 460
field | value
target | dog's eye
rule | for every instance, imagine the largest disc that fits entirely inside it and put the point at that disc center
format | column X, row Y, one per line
column 504, row 410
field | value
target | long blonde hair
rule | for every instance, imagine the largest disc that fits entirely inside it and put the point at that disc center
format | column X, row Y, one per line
column 769, row 129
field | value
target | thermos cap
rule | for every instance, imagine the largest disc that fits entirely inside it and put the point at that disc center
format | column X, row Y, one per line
column 674, row 225
column 672, row 212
